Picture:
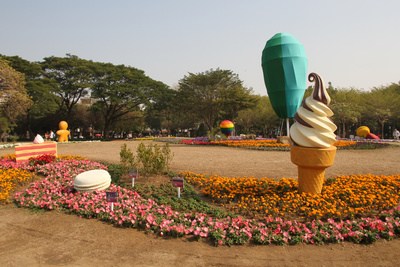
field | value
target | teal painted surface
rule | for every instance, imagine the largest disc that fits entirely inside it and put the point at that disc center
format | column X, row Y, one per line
column 284, row 64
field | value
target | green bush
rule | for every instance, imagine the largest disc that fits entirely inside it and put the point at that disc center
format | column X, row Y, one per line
column 152, row 159
column 149, row 159
column 116, row 171
column 127, row 158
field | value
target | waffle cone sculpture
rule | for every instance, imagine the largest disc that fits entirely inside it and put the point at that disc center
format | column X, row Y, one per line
column 313, row 136
column 311, row 164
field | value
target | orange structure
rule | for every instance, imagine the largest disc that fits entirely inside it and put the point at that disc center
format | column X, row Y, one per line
column 63, row 133
column 311, row 163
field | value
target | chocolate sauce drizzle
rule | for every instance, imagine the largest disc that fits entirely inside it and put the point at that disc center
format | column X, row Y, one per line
column 304, row 105
column 301, row 121
column 319, row 92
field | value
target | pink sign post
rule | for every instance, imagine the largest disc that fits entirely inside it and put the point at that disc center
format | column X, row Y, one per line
column 178, row 182
column 111, row 198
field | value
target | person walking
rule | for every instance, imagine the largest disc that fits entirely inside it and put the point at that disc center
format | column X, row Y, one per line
column 52, row 135
column 396, row 134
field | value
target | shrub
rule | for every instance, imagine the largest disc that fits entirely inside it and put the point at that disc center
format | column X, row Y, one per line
column 116, row 172
column 152, row 159
column 149, row 159
column 127, row 158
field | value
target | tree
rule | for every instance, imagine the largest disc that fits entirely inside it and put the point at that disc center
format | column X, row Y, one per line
column 160, row 111
column 213, row 95
column 120, row 90
column 44, row 102
column 72, row 77
column 347, row 108
column 258, row 120
column 14, row 101
column 394, row 104
column 382, row 103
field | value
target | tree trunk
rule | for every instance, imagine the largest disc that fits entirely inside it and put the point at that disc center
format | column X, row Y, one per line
column 106, row 128
column 343, row 130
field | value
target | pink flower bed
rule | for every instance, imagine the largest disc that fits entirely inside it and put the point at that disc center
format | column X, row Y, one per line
column 131, row 210
column 10, row 164
column 194, row 142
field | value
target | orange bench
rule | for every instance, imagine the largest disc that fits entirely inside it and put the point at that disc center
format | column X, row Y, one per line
column 26, row 151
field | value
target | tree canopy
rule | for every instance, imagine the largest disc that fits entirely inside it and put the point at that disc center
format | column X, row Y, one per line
column 35, row 96
column 71, row 79
column 14, row 100
column 44, row 102
column 213, row 95
column 258, row 120
column 119, row 90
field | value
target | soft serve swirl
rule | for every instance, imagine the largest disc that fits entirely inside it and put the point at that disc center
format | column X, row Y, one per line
column 313, row 127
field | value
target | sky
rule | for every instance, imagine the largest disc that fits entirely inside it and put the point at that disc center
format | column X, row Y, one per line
column 350, row 43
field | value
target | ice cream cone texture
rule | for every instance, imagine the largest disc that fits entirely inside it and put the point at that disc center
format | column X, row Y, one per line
column 313, row 136
column 313, row 126
column 311, row 164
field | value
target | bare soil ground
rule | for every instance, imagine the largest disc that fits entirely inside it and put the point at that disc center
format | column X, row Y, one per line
column 29, row 238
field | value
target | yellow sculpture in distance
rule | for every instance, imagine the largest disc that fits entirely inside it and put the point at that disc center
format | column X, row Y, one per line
column 63, row 133
column 362, row 131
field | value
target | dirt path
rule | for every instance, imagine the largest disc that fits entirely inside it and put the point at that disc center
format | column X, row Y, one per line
column 30, row 238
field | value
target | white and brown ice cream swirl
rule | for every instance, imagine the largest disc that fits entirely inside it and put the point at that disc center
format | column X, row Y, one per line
column 313, row 127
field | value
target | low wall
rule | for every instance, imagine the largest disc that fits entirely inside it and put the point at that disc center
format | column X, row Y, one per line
column 26, row 151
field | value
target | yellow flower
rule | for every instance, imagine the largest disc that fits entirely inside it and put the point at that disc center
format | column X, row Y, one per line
column 344, row 196
column 11, row 178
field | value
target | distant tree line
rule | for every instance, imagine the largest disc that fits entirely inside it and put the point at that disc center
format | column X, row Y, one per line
column 108, row 98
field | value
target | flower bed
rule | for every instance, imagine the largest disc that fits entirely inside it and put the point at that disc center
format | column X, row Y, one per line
column 365, row 144
column 131, row 210
column 13, row 174
column 344, row 197
column 149, row 138
column 262, row 144
column 10, row 179
column 195, row 142
column 251, row 143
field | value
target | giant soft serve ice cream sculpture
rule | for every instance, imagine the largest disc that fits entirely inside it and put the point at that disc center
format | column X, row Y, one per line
column 313, row 137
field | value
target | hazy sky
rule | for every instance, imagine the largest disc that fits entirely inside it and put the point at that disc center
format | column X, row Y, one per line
column 351, row 43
